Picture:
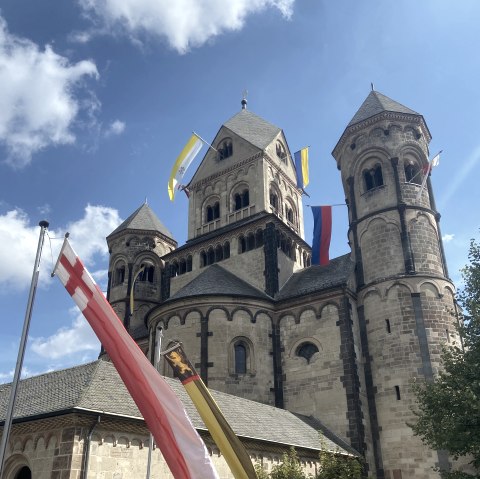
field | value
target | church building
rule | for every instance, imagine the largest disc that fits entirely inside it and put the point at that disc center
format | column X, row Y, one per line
column 337, row 345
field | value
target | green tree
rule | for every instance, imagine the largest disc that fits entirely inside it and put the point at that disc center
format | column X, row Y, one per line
column 337, row 466
column 333, row 466
column 448, row 409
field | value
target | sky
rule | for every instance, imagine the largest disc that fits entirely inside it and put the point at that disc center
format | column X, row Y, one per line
column 98, row 97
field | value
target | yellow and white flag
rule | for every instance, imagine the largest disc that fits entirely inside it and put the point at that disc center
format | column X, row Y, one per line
column 183, row 161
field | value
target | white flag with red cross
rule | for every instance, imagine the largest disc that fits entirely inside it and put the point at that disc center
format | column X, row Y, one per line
column 181, row 446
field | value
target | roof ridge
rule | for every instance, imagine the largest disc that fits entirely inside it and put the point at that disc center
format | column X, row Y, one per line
column 86, row 388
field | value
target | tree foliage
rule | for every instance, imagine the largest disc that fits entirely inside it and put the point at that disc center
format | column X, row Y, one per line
column 449, row 407
column 333, row 466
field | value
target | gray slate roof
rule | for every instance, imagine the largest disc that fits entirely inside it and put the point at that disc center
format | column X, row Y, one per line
column 143, row 218
column 252, row 128
column 215, row 280
column 315, row 278
column 376, row 103
column 98, row 387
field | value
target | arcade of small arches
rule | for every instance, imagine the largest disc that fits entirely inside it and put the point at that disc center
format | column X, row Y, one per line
column 146, row 273
column 373, row 175
column 212, row 210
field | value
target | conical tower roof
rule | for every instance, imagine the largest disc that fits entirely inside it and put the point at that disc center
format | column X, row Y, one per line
column 144, row 219
column 376, row 103
column 252, row 128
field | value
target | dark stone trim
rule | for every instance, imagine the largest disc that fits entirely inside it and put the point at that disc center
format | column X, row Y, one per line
column 109, row 285
column 350, row 379
column 271, row 260
column 443, row 461
column 277, row 365
column 370, row 390
column 204, row 334
column 405, row 239
column 165, row 282
column 422, row 336
column 394, row 162
column 128, row 313
column 353, row 226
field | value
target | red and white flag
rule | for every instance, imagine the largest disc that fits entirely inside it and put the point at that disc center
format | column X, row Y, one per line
column 181, row 446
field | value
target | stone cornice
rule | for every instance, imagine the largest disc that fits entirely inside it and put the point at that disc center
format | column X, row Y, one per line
column 385, row 115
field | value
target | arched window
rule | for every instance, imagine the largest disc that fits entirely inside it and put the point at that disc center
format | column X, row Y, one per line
column 189, row 263
column 242, row 244
column 218, row 253
column 203, row 259
column 274, row 200
column 413, row 173
column 226, row 250
column 174, row 270
column 280, row 150
column 182, row 267
column 241, row 199
column 148, row 273
column 306, row 350
column 250, row 241
column 225, row 149
column 210, row 256
column 240, row 358
column 258, row 238
column 212, row 212
column 119, row 277
column 24, row 473
column 373, row 178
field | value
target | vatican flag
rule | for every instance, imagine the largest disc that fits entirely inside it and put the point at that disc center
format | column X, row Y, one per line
column 183, row 161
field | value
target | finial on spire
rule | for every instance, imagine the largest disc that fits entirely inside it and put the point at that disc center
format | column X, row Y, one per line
column 244, row 100
column 373, row 86
column 146, row 200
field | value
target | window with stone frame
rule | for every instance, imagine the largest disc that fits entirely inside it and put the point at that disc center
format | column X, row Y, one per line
column 281, row 152
column 241, row 356
column 225, row 149
column 212, row 211
column 306, row 350
column 241, row 199
column 119, row 274
column 148, row 273
column 373, row 177
column 413, row 173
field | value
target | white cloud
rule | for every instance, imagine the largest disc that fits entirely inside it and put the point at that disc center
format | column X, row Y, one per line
column 116, row 128
column 78, row 338
column 19, row 240
column 447, row 238
column 183, row 23
column 39, row 96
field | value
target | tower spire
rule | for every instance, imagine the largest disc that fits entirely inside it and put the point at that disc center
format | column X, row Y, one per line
column 244, row 100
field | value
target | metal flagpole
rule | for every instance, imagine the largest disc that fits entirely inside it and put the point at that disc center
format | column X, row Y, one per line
column 21, row 350
column 156, row 364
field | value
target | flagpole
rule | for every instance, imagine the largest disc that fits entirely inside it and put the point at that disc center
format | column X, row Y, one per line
column 21, row 350
column 156, row 364
column 206, row 142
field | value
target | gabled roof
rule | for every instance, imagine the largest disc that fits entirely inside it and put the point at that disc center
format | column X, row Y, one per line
column 217, row 281
column 316, row 278
column 144, row 219
column 252, row 128
column 376, row 103
column 97, row 387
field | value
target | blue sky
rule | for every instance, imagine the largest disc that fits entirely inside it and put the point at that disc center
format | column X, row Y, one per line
column 98, row 97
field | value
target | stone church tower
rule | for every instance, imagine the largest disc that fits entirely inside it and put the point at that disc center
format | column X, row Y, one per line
column 404, row 297
column 339, row 343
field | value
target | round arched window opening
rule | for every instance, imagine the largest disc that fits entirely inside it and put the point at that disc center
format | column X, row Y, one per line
column 24, row 473
column 306, row 350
